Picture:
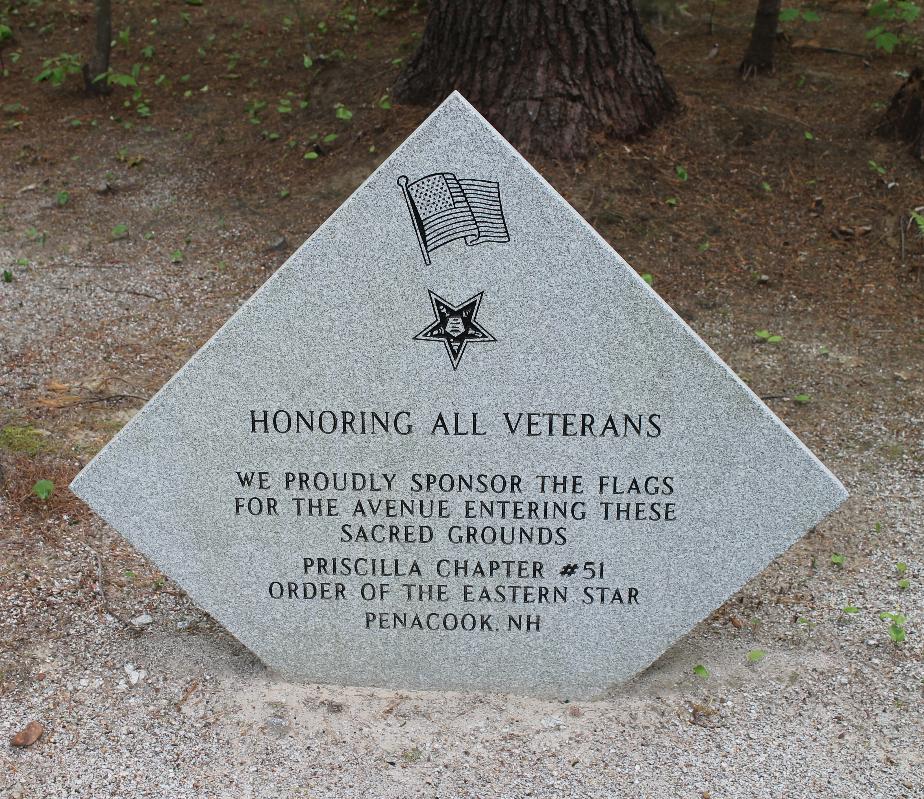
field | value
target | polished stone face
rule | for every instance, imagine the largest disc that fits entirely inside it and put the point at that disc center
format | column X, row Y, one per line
column 456, row 442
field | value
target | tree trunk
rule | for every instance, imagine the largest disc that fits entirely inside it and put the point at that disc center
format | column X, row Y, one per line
column 99, row 63
column 546, row 73
column 904, row 118
column 759, row 56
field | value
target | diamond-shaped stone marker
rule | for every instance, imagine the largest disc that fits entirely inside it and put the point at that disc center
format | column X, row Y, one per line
column 492, row 457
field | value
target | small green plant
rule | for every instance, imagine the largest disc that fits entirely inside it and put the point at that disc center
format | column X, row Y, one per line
column 809, row 136
column 55, row 70
column 648, row 278
column 766, row 187
column 904, row 584
column 892, row 17
column 768, row 337
column 681, row 172
column 126, row 80
column 7, row 276
column 176, row 257
column 879, row 170
column 43, row 489
column 286, row 106
column 311, row 155
column 701, row 671
column 851, row 610
column 62, row 198
column 119, row 232
column 802, row 399
column 918, row 220
column 795, row 14
column 756, row 655
column 343, row 112
column 35, row 235
column 897, row 624
column 672, row 202
column 838, row 560
column 253, row 109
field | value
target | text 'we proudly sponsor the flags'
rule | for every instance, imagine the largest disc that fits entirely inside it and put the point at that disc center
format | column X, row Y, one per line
column 444, row 208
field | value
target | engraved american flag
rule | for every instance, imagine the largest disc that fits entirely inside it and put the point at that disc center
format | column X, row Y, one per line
column 444, row 208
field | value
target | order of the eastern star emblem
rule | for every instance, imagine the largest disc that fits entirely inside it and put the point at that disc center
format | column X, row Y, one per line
column 455, row 326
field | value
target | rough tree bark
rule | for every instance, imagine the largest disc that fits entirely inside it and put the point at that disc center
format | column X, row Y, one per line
column 759, row 55
column 904, row 118
column 546, row 73
column 99, row 63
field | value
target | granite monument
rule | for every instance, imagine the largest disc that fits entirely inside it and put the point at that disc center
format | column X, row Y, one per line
column 456, row 442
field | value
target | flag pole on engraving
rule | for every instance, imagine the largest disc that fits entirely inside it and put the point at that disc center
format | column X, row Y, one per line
column 402, row 182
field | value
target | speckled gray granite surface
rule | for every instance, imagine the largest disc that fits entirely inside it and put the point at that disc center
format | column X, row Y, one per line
column 493, row 458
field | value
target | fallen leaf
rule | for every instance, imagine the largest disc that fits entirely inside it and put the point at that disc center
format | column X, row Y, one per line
column 390, row 708
column 54, row 385
column 28, row 735
column 62, row 401
column 190, row 690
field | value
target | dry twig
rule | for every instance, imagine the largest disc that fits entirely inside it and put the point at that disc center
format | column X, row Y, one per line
column 101, row 584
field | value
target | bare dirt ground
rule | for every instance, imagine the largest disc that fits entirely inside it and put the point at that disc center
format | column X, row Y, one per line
column 761, row 206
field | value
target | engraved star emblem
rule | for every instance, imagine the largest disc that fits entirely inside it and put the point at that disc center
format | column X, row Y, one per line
column 455, row 326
